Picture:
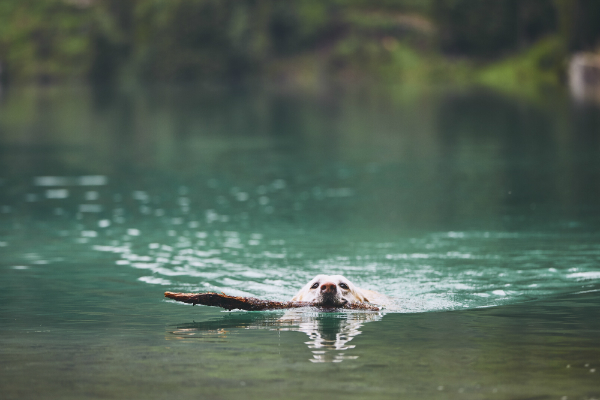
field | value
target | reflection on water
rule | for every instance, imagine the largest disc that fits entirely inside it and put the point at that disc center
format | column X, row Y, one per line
column 329, row 336
column 329, row 333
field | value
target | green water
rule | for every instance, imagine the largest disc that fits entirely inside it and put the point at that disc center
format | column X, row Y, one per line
column 478, row 214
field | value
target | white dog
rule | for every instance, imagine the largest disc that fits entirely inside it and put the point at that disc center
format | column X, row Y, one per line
column 334, row 291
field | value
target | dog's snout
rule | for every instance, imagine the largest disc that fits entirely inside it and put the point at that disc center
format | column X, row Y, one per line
column 328, row 287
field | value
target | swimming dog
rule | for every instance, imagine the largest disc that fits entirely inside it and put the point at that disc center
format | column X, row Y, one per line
column 334, row 291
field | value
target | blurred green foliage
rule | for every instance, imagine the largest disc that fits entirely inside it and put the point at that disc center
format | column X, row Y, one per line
column 527, row 72
column 493, row 27
column 236, row 40
column 44, row 39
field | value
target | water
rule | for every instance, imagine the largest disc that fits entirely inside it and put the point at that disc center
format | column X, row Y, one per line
column 478, row 214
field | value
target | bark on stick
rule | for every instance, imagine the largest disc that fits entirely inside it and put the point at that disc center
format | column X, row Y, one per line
column 253, row 304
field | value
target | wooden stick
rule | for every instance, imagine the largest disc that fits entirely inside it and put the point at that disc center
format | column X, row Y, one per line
column 253, row 304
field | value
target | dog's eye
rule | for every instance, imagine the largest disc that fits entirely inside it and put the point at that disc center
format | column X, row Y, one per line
column 344, row 286
column 315, row 285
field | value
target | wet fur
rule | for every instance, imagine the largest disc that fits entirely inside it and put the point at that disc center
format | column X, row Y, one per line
column 333, row 290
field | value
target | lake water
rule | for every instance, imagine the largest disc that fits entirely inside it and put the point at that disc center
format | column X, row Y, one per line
column 479, row 214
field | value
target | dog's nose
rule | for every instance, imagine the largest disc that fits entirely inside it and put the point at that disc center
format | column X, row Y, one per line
column 328, row 287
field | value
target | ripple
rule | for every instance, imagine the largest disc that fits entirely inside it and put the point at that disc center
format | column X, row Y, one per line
column 585, row 275
column 220, row 247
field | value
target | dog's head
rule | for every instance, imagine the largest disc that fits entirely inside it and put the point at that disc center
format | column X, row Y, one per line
column 330, row 290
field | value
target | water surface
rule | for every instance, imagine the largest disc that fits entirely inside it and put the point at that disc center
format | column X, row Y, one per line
column 478, row 214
